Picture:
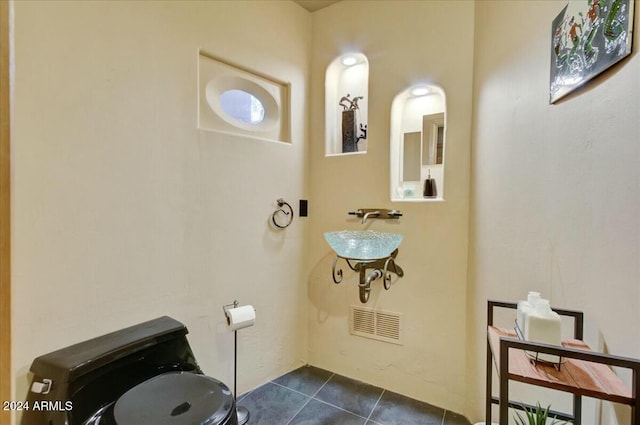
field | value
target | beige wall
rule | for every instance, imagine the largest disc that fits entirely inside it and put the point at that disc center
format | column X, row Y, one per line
column 405, row 42
column 123, row 211
column 5, row 214
column 555, row 203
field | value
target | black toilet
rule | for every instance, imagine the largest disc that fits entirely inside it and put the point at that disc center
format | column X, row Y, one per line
column 142, row 375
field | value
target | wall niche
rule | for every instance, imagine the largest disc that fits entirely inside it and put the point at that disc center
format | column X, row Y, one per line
column 417, row 144
column 346, row 105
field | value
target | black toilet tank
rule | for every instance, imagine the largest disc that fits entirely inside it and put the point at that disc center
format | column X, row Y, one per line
column 72, row 384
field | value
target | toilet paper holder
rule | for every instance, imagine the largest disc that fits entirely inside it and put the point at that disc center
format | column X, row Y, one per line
column 227, row 307
column 241, row 411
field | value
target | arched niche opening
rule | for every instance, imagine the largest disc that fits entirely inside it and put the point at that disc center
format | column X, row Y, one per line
column 346, row 105
column 417, row 144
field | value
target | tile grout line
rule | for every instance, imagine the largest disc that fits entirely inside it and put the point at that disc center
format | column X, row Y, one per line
column 375, row 405
column 290, row 389
column 309, row 399
column 344, row 410
column 243, row 396
column 367, row 420
column 322, row 386
column 299, row 410
column 332, row 405
column 340, row 408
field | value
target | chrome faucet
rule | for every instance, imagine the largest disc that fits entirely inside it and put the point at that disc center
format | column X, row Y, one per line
column 368, row 214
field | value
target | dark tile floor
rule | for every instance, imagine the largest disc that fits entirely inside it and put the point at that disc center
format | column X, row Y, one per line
column 313, row 396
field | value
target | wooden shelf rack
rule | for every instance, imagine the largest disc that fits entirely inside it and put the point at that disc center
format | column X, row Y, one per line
column 582, row 372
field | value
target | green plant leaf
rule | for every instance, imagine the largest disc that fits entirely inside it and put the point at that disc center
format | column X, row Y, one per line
column 519, row 419
column 536, row 416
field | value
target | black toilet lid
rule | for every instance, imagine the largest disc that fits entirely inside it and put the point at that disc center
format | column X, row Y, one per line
column 175, row 398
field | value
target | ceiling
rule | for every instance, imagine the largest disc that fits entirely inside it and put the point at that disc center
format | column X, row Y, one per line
column 313, row 5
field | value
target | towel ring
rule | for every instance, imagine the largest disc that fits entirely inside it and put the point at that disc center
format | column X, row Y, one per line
column 281, row 204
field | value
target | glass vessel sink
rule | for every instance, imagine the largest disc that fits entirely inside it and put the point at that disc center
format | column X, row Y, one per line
column 363, row 245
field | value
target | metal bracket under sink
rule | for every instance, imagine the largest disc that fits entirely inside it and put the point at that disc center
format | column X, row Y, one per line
column 382, row 268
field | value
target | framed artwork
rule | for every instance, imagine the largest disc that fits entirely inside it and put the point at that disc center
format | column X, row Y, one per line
column 587, row 37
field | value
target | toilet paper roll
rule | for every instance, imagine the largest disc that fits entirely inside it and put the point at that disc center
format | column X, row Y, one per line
column 241, row 317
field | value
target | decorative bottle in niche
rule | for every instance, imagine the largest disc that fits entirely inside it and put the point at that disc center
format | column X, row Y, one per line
column 430, row 190
column 350, row 137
